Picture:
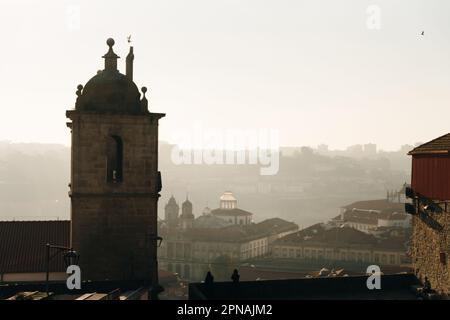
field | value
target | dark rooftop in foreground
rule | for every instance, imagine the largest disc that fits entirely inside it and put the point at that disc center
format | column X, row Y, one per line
column 393, row 287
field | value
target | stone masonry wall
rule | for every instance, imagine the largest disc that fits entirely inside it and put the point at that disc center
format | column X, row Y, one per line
column 431, row 236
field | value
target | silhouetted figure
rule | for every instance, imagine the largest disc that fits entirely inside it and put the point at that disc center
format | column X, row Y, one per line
column 427, row 286
column 235, row 276
column 155, row 291
column 209, row 279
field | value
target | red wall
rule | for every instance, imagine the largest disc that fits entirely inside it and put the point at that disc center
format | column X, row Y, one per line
column 431, row 176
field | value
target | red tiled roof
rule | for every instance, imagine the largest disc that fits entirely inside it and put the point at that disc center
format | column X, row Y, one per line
column 22, row 245
column 438, row 145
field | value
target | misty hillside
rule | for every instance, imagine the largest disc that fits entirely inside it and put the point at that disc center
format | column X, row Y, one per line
column 309, row 186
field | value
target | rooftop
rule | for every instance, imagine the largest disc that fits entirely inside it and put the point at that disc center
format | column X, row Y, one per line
column 440, row 145
column 322, row 235
column 231, row 212
column 394, row 287
column 22, row 245
column 379, row 204
column 239, row 233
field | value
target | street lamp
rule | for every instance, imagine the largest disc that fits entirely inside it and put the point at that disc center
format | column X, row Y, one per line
column 156, row 288
column 71, row 257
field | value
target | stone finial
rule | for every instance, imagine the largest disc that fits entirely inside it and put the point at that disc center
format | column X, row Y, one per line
column 110, row 57
column 79, row 89
column 144, row 101
column 79, row 93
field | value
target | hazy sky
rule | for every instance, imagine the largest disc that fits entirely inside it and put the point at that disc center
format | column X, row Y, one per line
column 311, row 69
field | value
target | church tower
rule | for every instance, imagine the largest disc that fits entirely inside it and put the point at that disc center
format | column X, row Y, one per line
column 186, row 217
column 171, row 211
column 115, row 182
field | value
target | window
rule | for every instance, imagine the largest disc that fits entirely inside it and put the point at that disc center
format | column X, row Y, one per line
column 392, row 259
column 187, row 271
column 170, row 250
column 319, row 254
column 291, row 253
column 114, row 159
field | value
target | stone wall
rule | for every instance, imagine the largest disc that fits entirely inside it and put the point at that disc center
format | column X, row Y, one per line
column 114, row 223
column 431, row 237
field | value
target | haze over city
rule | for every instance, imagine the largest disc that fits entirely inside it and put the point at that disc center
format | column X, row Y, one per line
column 224, row 150
column 312, row 70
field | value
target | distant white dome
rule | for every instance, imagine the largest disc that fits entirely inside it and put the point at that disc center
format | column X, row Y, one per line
column 228, row 201
column 227, row 196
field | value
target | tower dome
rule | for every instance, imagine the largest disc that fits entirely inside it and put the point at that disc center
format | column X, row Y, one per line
column 110, row 91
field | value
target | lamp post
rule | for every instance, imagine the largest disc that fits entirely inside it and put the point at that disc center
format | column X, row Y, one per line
column 156, row 288
column 71, row 257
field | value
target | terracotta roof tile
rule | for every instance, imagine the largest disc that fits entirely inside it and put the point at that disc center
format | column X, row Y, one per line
column 22, row 245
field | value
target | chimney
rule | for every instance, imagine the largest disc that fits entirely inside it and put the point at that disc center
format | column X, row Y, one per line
column 129, row 66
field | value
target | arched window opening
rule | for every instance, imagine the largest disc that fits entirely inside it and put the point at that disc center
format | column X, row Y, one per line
column 114, row 159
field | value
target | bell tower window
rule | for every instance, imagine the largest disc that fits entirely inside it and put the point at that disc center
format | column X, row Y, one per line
column 114, row 159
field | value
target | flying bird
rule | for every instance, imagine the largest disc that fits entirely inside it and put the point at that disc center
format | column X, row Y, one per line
column 129, row 39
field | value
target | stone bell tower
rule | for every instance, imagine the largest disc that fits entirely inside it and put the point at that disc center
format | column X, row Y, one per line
column 115, row 182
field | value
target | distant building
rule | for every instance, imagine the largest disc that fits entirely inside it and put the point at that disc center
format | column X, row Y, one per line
column 397, row 196
column 370, row 149
column 229, row 211
column 367, row 216
column 321, row 242
column 171, row 212
column 430, row 183
column 195, row 244
column 187, row 216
